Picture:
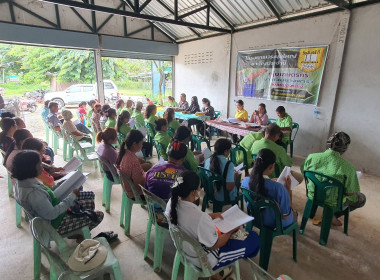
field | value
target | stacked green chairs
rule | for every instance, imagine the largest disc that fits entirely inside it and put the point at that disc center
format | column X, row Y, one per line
column 209, row 179
column 238, row 149
column 198, row 140
column 192, row 272
column 151, row 132
column 107, row 183
column 161, row 152
column 256, row 205
column 154, row 203
column 293, row 134
column 127, row 203
column 322, row 185
column 43, row 233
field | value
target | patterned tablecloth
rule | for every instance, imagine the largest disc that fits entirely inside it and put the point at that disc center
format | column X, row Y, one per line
column 233, row 128
column 179, row 115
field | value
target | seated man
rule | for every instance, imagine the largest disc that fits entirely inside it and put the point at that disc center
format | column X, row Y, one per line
column 247, row 143
column 285, row 122
column 52, row 117
column 272, row 134
column 332, row 164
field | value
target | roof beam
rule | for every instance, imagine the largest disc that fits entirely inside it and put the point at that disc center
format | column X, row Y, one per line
column 103, row 9
column 273, row 9
column 340, row 3
column 82, row 19
column 35, row 15
column 57, row 16
column 220, row 15
column 11, row 10
column 192, row 12
column 142, row 7
column 93, row 15
column 108, row 18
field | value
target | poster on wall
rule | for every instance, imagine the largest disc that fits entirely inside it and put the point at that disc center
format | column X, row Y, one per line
column 287, row 74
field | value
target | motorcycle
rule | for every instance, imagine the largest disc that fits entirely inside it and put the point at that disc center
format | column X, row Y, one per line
column 15, row 105
column 38, row 95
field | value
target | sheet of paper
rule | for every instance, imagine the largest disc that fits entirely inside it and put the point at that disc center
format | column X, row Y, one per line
column 284, row 174
column 239, row 167
column 64, row 178
column 132, row 123
column 76, row 122
column 143, row 130
column 206, row 153
column 359, row 174
column 232, row 218
column 233, row 120
column 72, row 183
column 72, row 165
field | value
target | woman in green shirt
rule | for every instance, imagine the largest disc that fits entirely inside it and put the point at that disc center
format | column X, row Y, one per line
column 162, row 137
column 111, row 122
column 150, row 114
column 122, row 126
column 119, row 106
column 172, row 122
column 129, row 106
column 138, row 116
column 171, row 102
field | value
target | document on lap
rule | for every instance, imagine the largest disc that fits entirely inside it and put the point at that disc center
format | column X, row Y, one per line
column 239, row 167
column 73, row 181
column 206, row 153
column 72, row 165
column 232, row 218
column 284, row 174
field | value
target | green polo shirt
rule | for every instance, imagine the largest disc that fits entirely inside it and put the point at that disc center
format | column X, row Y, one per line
column 174, row 104
column 164, row 140
column 174, row 124
column 124, row 129
column 129, row 110
column 151, row 120
column 286, row 121
column 139, row 118
column 119, row 110
column 110, row 123
column 247, row 143
column 282, row 158
column 332, row 164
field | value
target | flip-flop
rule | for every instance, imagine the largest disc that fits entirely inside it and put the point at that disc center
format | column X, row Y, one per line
column 109, row 235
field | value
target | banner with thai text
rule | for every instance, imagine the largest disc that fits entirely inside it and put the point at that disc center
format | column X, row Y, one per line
column 287, row 74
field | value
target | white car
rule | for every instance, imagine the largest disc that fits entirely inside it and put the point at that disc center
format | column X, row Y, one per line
column 82, row 92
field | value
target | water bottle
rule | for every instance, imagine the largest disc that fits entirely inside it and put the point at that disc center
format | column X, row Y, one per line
column 315, row 113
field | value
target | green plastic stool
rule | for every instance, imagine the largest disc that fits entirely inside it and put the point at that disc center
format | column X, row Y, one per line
column 10, row 185
column 18, row 214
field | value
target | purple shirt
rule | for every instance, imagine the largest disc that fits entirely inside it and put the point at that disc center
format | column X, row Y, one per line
column 264, row 119
column 108, row 153
column 160, row 178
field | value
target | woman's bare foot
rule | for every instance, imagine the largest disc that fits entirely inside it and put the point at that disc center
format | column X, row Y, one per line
column 336, row 222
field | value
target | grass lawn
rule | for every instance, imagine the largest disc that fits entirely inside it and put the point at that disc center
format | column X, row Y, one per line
column 16, row 89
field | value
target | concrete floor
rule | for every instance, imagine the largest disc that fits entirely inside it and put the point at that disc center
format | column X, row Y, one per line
column 345, row 257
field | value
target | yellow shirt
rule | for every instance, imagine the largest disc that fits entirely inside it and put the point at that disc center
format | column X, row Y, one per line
column 241, row 114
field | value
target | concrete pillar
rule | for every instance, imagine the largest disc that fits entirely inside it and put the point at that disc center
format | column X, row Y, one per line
column 99, row 76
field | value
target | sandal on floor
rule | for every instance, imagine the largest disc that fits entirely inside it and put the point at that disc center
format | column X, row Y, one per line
column 109, row 235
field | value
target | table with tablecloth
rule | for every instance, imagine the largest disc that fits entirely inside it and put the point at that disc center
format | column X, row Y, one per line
column 179, row 115
column 233, row 128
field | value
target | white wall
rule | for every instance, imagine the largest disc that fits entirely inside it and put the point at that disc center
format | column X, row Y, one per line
column 202, row 69
column 358, row 103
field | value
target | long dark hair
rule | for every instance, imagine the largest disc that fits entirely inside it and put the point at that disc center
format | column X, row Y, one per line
column 159, row 124
column 221, row 145
column 24, row 165
column 104, row 110
column 194, row 101
column 6, row 125
column 119, row 102
column 264, row 158
column 111, row 112
column 148, row 111
column 169, row 115
column 177, row 150
column 182, row 133
column 134, row 136
column 190, row 183
column 19, row 136
column 120, row 119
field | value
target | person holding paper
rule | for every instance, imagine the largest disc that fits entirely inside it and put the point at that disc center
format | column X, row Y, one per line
column 169, row 115
column 284, row 121
column 107, row 138
column 161, row 177
column 260, row 183
column 69, row 126
column 41, row 201
column 221, row 249
column 332, row 164
column 219, row 164
column 150, row 114
column 161, row 136
column 246, row 143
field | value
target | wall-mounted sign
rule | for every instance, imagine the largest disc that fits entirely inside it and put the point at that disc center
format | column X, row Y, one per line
column 288, row 74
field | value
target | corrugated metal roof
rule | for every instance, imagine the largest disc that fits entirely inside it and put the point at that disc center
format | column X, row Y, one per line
column 238, row 13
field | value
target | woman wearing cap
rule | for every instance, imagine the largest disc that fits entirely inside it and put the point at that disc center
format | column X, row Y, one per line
column 332, row 164
column 69, row 126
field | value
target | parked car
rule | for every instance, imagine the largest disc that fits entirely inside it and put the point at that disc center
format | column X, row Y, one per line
column 82, row 92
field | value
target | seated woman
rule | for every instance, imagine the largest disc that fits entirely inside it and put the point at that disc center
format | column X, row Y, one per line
column 194, row 107
column 107, row 138
column 40, row 201
column 111, row 121
column 92, row 104
column 150, row 114
column 119, row 106
column 104, row 116
column 183, row 135
column 95, row 118
column 129, row 164
column 138, row 116
column 242, row 115
column 69, row 126
column 162, row 137
column 122, row 125
column 20, row 136
column 260, row 183
column 8, row 127
column 161, row 177
column 209, row 111
column 221, row 250
column 260, row 116
column 19, row 122
column 82, row 112
column 169, row 116
column 219, row 164
column 129, row 106
column 171, row 102
column 332, row 164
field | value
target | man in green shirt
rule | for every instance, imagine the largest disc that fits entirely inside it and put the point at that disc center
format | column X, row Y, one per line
column 285, row 122
column 332, row 164
column 247, row 143
column 272, row 134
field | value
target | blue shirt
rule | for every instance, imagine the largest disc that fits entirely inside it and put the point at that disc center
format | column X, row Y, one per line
column 44, row 113
column 230, row 178
column 278, row 193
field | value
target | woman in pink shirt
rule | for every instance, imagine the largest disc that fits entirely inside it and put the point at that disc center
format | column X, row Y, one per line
column 129, row 164
column 260, row 116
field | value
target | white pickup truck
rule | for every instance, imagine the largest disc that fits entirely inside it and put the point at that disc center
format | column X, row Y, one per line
column 75, row 94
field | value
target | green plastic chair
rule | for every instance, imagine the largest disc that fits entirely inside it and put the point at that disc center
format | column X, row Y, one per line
column 161, row 152
column 322, row 184
column 198, row 140
column 47, row 132
column 192, row 272
column 56, row 135
column 127, row 203
column 236, row 149
column 270, row 121
column 293, row 134
column 151, row 132
column 170, row 131
column 208, row 181
column 43, row 232
column 161, row 230
column 107, row 184
column 256, row 205
column 10, row 184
